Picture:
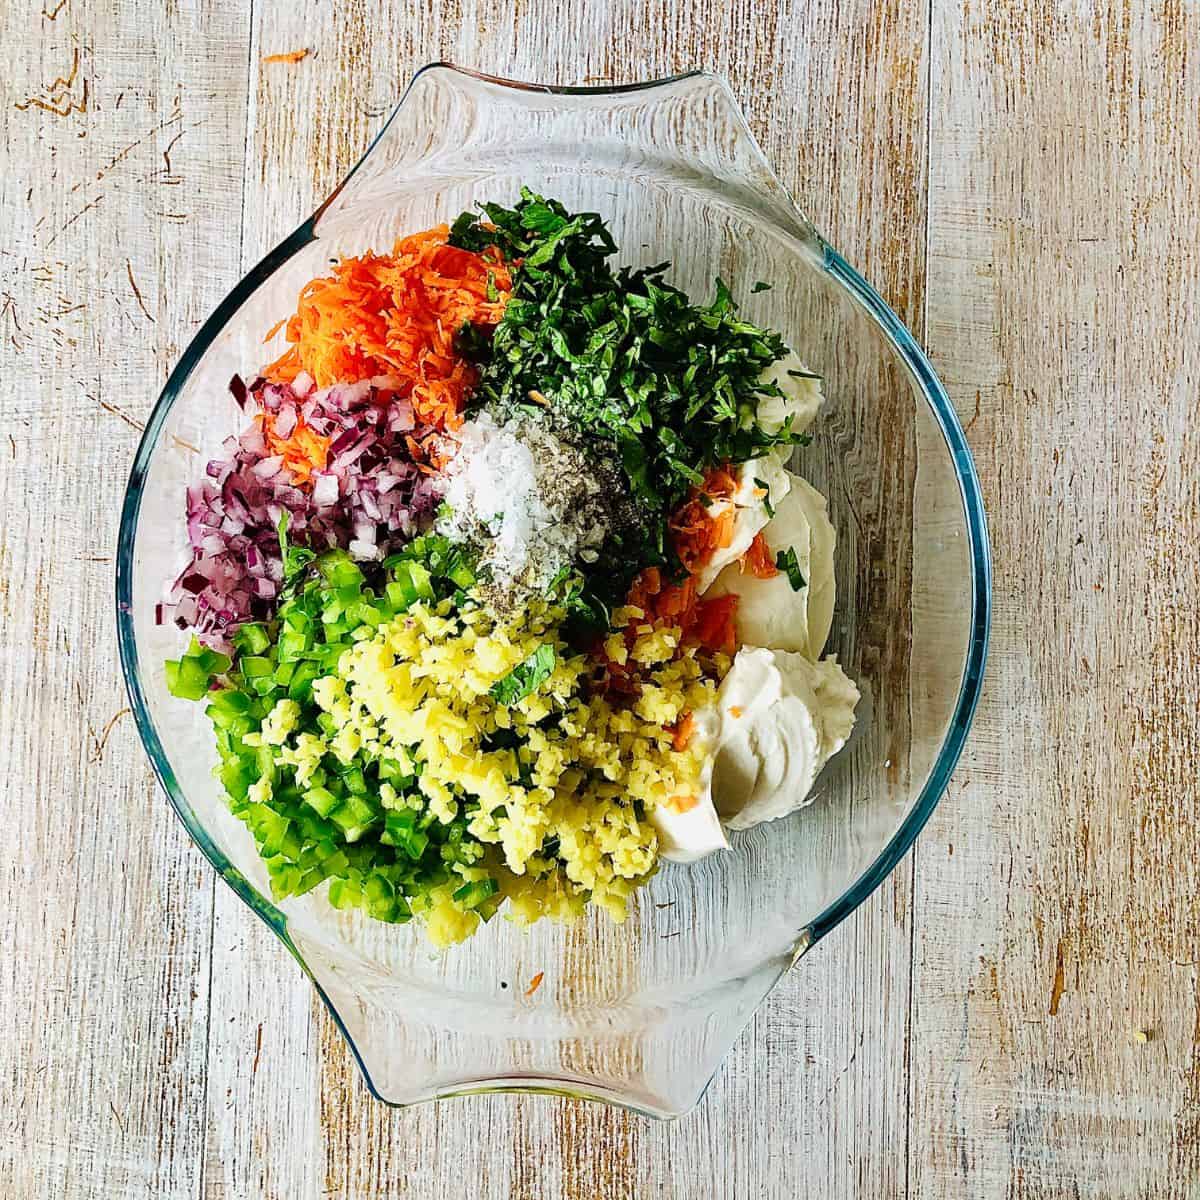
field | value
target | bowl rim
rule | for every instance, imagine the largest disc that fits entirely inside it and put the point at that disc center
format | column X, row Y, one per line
column 905, row 345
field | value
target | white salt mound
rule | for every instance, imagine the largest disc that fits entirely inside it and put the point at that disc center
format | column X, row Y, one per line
column 531, row 502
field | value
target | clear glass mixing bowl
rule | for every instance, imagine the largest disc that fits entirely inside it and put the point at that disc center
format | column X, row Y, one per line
column 638, row 1014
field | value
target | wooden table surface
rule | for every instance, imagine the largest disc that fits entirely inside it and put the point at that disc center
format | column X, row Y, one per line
column 1016, row 1012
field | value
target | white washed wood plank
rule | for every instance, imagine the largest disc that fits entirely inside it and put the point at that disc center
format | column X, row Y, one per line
column 106, row 917
column 1056, row 886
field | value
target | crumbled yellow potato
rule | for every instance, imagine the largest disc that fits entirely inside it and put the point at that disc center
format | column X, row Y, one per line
column 558, row 767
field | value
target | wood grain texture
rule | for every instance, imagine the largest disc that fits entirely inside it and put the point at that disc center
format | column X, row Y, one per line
column 122, row 132
column 1017, row 180
column 1063, row 317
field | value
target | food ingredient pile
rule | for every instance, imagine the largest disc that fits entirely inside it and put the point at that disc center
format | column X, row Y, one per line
column 484, row 593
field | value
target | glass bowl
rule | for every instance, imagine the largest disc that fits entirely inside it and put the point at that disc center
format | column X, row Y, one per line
column 639, row 1014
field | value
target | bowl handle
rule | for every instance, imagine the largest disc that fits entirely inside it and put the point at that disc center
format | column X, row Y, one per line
column 453, row 124
column 415, row 1041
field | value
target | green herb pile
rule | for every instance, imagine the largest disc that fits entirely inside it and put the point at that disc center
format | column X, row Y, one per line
column 623, row 357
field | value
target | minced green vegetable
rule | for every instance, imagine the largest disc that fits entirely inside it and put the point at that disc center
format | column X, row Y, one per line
column 787, row 562
column 768, row 507
column 622, row 356
column 336, row 827
column 527, row 677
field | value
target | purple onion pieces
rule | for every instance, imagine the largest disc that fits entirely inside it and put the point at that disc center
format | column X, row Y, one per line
column 369, row 500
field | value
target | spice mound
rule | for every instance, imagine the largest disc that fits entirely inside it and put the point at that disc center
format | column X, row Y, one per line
column 534, row 503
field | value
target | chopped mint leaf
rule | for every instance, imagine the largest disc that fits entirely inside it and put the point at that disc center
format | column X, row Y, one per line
column 758, row 483
column 785, row 561
column 624, row 358
column 526, row 677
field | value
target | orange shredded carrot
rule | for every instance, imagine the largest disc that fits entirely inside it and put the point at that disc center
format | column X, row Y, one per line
column 758, row 558
column 661, row 602
column 713, row 623
column 700, row 526
column 398, row 314
column 651, row 579
column 682, row 731
column 710, row 622
column 703, row 524
column 290, row 56
column 676, row 602
column 535, row 983
column 681, row 804
column 303, row 451
column 735, row 711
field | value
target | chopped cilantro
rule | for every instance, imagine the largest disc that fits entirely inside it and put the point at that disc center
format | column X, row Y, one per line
column 785, row 561
column 526, row 677
column 623, row 357
column 770, row 508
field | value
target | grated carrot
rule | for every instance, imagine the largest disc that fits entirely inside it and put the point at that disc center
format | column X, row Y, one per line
column 303, row 451
column 429, row 453
column 709, row 622
column 535, row 983
column 700, row 526
column 682, row 731
column 759, row 559
column 290, row 56
column 703, row 524
column 398, row 314
column 713, row 623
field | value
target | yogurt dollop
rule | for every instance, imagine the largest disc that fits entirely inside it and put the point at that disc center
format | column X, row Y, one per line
column 778, row 719
column 770, row 612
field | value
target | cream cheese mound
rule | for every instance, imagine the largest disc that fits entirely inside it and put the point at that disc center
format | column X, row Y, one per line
column 769, row 611
column 777, row 721
column 688, row 836
column 801, row 399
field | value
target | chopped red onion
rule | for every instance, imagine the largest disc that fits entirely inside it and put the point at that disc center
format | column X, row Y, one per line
column 268, row 468
column 370, row 499
column 325, row 489
column 285, row 423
